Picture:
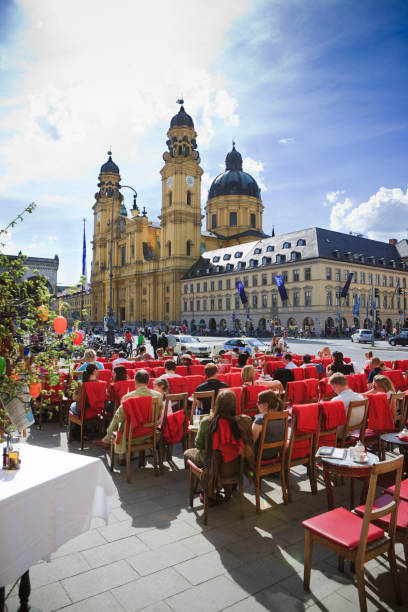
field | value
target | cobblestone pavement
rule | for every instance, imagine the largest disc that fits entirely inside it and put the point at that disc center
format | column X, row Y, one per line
column 156, row 554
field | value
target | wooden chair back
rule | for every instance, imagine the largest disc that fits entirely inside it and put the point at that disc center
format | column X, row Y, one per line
column 401, row 402
column 197, row 397
column 360, row 426
column 280, row 445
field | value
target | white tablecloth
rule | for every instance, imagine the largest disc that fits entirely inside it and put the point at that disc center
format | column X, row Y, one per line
column 51, row 499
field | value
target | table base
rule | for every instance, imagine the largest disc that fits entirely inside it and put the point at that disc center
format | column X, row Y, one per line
column 23, row 593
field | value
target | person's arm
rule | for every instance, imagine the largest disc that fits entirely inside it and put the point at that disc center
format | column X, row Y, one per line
column 256, row 431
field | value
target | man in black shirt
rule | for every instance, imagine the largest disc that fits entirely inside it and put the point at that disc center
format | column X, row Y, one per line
column 377, row 367
column 211, row 384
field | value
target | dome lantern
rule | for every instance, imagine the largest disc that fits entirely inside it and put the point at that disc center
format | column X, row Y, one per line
column 181, row 118
column 109, row 166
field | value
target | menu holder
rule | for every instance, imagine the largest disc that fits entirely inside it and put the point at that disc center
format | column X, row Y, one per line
column 331, row 452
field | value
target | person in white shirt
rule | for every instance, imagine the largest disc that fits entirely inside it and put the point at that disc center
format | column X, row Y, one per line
column 287, row 360
column 120, row 359
column 343, row 393
column 170, row 369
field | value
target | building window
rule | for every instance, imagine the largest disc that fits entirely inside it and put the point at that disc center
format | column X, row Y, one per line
column 167, row 289
column 280, row 258
column 237, row 302
column 370, row 278
column 214, row 221
column 296, row 298
column 362, row 278
column 185, row 288
column 384, row 301
column 391, row 302
column 270, row 248
column 329, row 298
column 274, row 300
column 345, row 273
column 205, row 286
column 253, row 220
column 384, row 280
column 229, row 267
column 253, row 263
column 169, row 249
column 233, row 219
column 301, row 242
column 241, row 265
column 188, row 248
column 286, row 245
column 228, row 303
column 204, row 304
column 308, row 298
column 257, row 251
column 245, row 281
column 167, row 307
column 391, row 281
column 254, row 281
column 170, row 198
column 188, row 198
column 264, row 301
column 216, row 259
column 294, row 255
column 266, row 260
column 219, row 303
column 228, row 283
column 144, row 291
column 338, row 274
column 198, row 288
column 295, row 276
column 255, row 301
column 308, row 274
column 338, row 298
column 191, row 288
column 328, row 273
column 132, row 250
column 404, row 283
column 198, row 305
column 284, row 276
column 212, row 286
column 212, row 304
column 355, row 277
column 264, row 279
column 238, row 254
column 220, row 284
column 123, row 255
column 191, row 305
column 377, row 280
column 185, row 305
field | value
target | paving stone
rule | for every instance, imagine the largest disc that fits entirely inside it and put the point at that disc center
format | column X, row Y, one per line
column 261, row 574
column 105, row 602
column 114, row 551
column 47, row 598
column 129, row 511
column 208, row 566
column 57, row 569
column 89, row 539
column 148, row 590
column 124, row 529
column 215, row 594
column 156, row 560
column 160, row 537
column 98, row 580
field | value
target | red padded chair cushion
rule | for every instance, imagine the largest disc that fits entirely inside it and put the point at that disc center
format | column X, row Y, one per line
column 384, row 521
column 403, row 490
column 341, row 527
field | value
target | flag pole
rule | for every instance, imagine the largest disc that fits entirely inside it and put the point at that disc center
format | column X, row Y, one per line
column 82, row 283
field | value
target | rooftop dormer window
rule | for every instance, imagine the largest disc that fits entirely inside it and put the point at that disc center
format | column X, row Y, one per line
column 227, row 256
column 216, row 259
column 238, row 254
column 241, row 265
column 286, row 245
column 301, row 242
column 294, row 255
column 280, row 258
column 229, row 267
column 257, row 251
column 266, row 260
column 270, row 248
column 253, row 263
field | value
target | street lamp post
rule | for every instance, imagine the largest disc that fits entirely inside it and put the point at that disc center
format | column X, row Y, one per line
column 110, row 336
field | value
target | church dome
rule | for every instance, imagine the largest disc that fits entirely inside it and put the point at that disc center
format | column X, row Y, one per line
column 234, row 181
column 110, row 166
column 181, row 118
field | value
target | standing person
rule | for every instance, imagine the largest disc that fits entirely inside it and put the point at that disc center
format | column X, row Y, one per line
column 153, row 342
column 140, row 339
column 129, row 341
column 163, row 342
column 283, row 345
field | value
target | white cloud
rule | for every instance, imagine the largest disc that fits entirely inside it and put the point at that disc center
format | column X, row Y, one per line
column 381, row 217
column 332, row 197
column 109, row 77
column 255, row 168
column 286, row 140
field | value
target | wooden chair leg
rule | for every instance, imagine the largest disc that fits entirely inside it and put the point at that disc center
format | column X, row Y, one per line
column 284, row 485
column 112, row 456
column 258, row 493
column 288, row 485
column 313, row 485
column 82, row 436
column 308, row 560
column 361, row 587
column 192, row 488
column 406, row 549
column 155, row 465
column 241, row 498
column 394, row 574
column 205, row 506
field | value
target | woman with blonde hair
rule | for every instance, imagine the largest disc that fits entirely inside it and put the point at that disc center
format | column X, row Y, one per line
column 382, row 384
column 248, row 375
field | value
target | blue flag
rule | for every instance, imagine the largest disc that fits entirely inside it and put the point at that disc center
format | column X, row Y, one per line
column 346, row 287
column 84, row 273
column 241, row 292
column 356, row 307
column 281, row 288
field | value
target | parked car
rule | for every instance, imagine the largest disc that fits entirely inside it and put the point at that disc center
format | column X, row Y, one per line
column 243, row 344
column 361, row 335
column 193, row 344
column 401, row 338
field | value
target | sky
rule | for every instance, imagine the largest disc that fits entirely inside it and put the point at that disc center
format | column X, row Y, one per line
column 314, row 92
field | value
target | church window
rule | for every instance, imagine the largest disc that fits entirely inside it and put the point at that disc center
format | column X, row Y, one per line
column 123, row 255
column 286, row 245
column 238, row 254
column 264, row 301
column 169, row 248
column 301, row 242
column 270, row 248
column 214, row 221
column 253, row 220
column 170, row 198
column 188, row 248
column 188, row 198
column 233, row 219
column 254, row 281
column 295, row 276
column 245, row 281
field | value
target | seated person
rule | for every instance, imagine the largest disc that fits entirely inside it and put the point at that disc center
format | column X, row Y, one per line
column 160, row 354
column 369, row 355
column 119, row 420
column 89, row 375
column 211, row 384
column 248, row 378
column 144, row 355
column 338, row 365
column 307, row 360
column 325, row 353
column 121, row 359
column 170, row 369
column 287, row 361
column 90, row 357
column 225, row 409
column 339, row 384
column 277, row 352
column 382, row 384
column 268, row 402
column 119, row 373
column 376, row 367
column 243, row 358
column 162, row 386
column 186, row 359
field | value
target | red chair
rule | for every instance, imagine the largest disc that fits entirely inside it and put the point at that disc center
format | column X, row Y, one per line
column 380, row 421
column 400, row 364
column 121, row 388
column 360, row 382
column 238, row 392
column 325, row 390
column 222, row 378
column 130, row 365
column 305, row 420
column 295, row 393
column 312, row 390
column 234, row 379
column 52, row 397
column 177, row 384
column 197, row 369
column 311, row 372
column 182, row 370
column 158, row 371
column 192, row 382
column 397, row 378
column 92, row 406
column 108, row 365
column 105, row 375
column 298, row 374
column 357, row 538
column 403, row 490
column 250, row 398
column 174, row 427
column 271, row 366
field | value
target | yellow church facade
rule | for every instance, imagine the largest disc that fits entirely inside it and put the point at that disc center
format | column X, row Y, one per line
column 150, row 257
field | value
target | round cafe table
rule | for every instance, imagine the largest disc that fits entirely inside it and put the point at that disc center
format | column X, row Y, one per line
column 350, row 469
column 394, row 440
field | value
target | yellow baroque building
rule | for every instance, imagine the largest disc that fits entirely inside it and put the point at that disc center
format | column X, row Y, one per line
column 148, row 257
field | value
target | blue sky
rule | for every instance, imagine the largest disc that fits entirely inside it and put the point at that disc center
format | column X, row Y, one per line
column 314, row 92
